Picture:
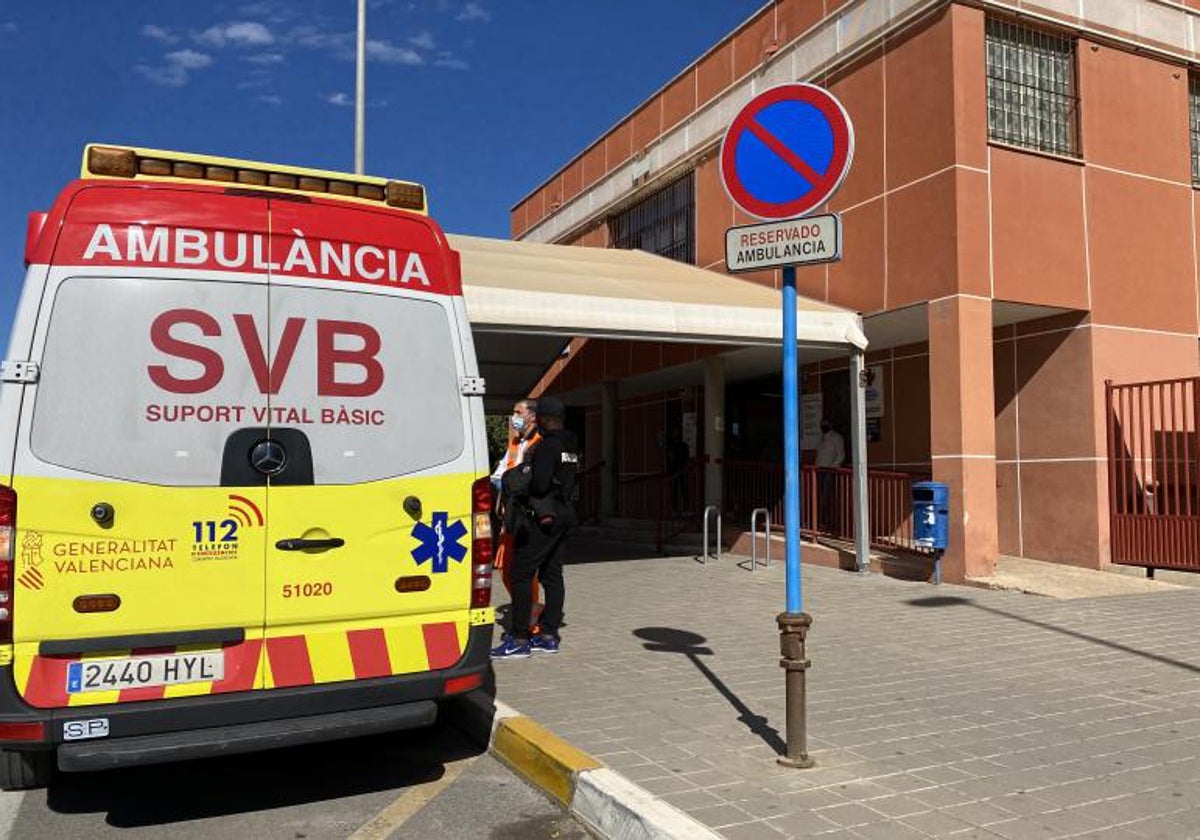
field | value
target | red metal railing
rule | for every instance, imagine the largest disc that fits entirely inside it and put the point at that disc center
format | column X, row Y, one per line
column 826, row 501
column 673, row 500
column 1153, row 473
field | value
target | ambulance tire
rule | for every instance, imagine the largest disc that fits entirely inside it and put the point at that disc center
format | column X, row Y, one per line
column 25, row 769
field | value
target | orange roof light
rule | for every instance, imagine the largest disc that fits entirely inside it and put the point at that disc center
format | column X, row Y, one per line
column 117, row 163
column 122, row 162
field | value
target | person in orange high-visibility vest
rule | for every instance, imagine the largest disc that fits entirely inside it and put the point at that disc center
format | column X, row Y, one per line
column 523, row 436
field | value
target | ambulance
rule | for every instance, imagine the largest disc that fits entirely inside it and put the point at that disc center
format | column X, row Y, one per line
column 245, row 496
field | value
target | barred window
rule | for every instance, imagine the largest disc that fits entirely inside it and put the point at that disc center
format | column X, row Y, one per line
column 663, row 223
column 1032, row 99
column 1194, row 102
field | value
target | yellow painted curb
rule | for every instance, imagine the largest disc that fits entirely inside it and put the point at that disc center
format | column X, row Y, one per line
column 543, row 758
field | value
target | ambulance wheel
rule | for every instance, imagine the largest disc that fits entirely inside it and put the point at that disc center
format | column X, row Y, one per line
column 24, row 769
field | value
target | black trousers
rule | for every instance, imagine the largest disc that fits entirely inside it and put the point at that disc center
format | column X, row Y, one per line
column 538, row 552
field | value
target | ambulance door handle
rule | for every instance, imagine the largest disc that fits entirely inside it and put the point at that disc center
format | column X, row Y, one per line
column 297, row 544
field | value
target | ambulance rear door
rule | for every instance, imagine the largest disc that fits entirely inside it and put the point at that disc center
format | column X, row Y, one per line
column 368, row 550
column 140, row 547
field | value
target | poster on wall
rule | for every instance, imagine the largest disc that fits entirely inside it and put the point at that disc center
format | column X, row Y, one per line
column 874, row 430
column 874, row 391
column 689, row 432
column 810, row 417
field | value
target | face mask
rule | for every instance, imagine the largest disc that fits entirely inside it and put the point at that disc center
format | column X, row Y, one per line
column 518, row 423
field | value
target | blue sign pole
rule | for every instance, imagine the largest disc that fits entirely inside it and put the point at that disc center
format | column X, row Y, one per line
column 791, row 445
column 793, row 622
column 785, row 153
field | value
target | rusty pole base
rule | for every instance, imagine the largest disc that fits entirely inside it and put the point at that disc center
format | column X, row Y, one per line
column 793, row 628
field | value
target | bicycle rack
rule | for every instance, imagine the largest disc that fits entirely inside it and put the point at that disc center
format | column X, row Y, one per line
column 754, row 537
column 717, row 513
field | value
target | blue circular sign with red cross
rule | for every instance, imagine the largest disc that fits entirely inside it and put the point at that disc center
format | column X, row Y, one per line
column 787, row 151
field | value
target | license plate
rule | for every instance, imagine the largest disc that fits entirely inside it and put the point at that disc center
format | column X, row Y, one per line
column 144, row 671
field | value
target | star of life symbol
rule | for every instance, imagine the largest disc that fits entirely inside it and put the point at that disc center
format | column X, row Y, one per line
column 439, row 542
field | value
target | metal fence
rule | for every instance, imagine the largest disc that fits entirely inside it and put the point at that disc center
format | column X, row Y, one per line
column 1031, row 92
column 826, row 501
column 1194, row 120
column 1153, row 473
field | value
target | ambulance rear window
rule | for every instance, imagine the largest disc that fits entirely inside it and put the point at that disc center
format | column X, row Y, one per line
column 146, row 379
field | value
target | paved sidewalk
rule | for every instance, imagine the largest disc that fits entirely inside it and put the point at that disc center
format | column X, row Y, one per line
column 1055, row 580
column 948, row 711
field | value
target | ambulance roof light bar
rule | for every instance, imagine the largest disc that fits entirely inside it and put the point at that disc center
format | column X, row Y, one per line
column 128, row 162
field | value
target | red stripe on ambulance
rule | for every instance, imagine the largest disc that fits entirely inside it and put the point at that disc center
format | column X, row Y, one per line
column 47, row 686
column 289, row 660
column 368, row 651
column 441, row 644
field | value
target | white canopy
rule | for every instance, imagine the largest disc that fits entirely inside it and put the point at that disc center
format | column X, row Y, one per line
column 523, row 287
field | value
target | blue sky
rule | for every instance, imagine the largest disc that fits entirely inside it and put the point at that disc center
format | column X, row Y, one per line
column 477, row 99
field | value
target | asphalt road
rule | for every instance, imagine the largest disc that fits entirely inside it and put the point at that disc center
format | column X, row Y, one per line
column 425, row 784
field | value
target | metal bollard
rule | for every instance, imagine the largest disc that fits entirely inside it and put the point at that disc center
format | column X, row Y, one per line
column 793, row 629
column 717, row 513
column 754, row 537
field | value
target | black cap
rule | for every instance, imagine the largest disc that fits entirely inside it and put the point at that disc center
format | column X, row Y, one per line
column 551, row 407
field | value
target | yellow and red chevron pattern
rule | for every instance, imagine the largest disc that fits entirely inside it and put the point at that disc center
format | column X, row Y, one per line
column 283, row 661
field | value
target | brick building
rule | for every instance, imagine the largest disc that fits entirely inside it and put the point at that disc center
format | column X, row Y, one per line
column 1019, row 222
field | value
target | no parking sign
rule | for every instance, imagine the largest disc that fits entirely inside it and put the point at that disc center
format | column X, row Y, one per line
column 787, row 151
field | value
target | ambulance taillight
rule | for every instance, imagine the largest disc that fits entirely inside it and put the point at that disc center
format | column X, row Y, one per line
column 481, row 543
column 8, row 531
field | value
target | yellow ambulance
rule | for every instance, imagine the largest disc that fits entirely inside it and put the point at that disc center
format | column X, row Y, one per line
column 244, row 498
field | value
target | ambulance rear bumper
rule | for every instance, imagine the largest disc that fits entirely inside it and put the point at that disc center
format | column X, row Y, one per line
column 246, row 737
column 190, row 727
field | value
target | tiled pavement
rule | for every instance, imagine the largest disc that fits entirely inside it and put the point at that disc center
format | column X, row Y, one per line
column 943, row 712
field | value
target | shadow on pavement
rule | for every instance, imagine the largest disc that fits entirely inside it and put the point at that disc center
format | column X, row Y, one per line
column 953, row 601
column 581, row 554
column 173, row 793
column 670, row 640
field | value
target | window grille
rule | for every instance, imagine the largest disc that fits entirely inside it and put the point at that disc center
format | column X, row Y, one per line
column 1031, row 93
column 1194, row 102
column 663, row 223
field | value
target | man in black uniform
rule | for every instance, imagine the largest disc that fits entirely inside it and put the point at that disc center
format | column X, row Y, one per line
column 541, row 496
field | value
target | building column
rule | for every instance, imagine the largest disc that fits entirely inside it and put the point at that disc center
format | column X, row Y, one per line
column 962, row 423
column 714, row 427
column 608, row 435
column 858, row 448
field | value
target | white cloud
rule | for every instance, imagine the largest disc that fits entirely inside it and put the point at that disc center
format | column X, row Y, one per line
column 244, row 33
column 9, row 27
column 189, row 59
column 449, row 61
column 340, row 99
column 343, row 45
column 389, row 53
column 176, row 68
column 271, row 99
column 265, row 58
column 474, row 13
column 160, row 34
column 423, row 40
column 339, row 43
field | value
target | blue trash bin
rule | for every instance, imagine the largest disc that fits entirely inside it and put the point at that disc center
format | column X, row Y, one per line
column 931, row 520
